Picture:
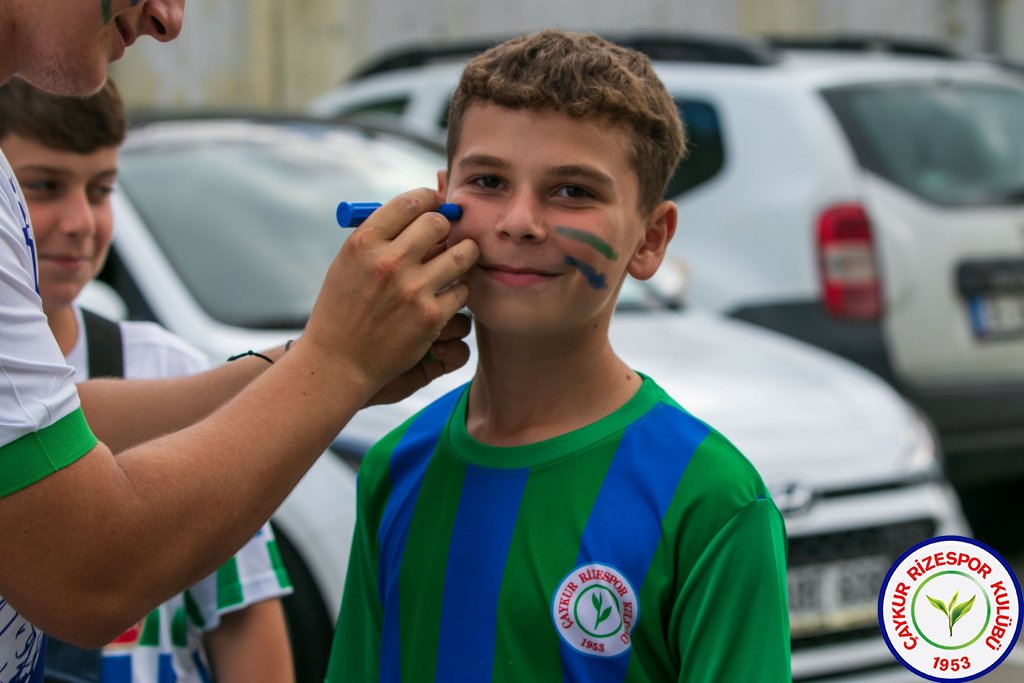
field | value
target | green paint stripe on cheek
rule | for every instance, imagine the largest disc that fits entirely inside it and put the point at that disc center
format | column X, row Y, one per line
column 587, row 238
column 105, row 8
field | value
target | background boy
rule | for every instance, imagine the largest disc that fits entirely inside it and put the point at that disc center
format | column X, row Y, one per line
column 64, row 153
column 561, row 517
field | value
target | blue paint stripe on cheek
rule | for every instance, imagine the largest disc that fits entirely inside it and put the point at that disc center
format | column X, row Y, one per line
column 594, row 278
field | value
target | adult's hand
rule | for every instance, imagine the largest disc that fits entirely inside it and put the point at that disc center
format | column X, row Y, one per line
column 385, row 300
column 446, row 354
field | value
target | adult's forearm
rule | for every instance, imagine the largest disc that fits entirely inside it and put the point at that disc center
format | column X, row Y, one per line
column 161, row 406
column 179, row 505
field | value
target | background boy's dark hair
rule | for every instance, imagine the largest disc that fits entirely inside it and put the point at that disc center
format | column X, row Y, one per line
column 584, row 76
column 75, row 124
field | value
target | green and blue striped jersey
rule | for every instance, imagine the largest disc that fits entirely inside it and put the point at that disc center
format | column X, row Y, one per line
column 643, row 547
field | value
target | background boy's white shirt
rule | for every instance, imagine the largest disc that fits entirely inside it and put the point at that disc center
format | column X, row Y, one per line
column 151, row 352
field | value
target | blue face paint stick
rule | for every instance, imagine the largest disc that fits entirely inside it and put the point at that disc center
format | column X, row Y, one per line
column 352, row 214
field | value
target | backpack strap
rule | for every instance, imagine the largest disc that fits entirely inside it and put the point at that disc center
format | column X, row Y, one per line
column 104, row 348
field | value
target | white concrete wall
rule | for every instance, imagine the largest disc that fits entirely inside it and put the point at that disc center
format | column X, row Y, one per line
column 281, row 53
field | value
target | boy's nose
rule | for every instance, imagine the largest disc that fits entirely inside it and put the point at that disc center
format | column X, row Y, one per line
column 76, row 216
column 522, row 219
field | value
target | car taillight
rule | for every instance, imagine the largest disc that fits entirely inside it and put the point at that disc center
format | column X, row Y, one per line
column 846, row 259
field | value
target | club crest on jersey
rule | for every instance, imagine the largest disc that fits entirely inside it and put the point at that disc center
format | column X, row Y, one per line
column 595, row 609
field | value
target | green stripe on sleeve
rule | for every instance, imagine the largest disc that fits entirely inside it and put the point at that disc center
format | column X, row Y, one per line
column 36, row 456
column 229, row 585
column 150, row 635
column 278, row 565
column 179, row 628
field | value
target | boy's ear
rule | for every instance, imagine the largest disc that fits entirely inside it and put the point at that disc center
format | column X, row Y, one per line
column 442, row 182
column 659, row 227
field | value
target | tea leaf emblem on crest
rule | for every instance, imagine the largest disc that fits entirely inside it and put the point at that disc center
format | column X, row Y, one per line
column 598, row 601
column 954, row 612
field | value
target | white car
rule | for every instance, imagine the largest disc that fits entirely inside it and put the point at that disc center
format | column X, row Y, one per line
column 224, row 229
column 867, row 198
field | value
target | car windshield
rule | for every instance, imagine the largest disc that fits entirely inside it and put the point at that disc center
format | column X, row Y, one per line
column 948, row 142
column 246, row 213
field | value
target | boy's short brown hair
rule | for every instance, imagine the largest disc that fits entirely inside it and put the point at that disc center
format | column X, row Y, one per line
column 74, row 124
column 584, row 76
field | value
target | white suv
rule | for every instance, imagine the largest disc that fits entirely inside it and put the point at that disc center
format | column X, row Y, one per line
column 865, row 197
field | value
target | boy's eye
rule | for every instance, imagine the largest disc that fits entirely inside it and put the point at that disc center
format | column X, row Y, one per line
column 99, row 193
column 39, row 187
column 489, row 182
column 574, row 192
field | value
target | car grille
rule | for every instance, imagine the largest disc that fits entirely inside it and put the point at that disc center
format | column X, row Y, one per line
column 834, row 579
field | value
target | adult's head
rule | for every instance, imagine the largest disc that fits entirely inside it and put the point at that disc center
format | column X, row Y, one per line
column 64, row 46
column 64, row 153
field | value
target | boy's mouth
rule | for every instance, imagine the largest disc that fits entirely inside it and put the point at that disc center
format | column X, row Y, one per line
column 65, row 261
column 520, row 276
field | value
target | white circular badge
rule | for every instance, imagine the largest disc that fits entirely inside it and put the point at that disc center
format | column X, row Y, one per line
column 595, row 609
column 949, row 609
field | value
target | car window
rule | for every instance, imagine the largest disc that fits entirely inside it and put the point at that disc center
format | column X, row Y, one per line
column 249, row 223
column 947, row 142
column 705, row 150
column 386, row 110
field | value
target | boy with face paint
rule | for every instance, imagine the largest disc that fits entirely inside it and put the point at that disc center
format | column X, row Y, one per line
column 561, row 517
column 202, row 461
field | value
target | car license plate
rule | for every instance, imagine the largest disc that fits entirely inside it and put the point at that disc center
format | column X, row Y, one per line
column 835, row 596
column 997, row 315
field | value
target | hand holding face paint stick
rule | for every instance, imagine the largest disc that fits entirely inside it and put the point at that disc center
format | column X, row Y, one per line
column 352, row 214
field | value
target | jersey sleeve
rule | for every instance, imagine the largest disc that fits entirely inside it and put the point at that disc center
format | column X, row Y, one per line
column 254, row 574
column 732, row 617
column 41, row 425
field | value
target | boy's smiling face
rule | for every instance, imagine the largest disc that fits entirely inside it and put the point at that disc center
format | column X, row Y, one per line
column 552, row 201
column 68, row 198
